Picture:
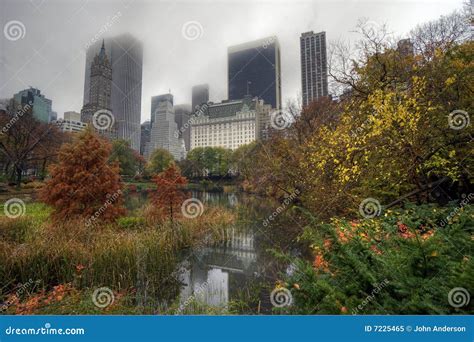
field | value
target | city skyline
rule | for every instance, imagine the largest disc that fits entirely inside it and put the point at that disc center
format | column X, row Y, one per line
column 177, row 62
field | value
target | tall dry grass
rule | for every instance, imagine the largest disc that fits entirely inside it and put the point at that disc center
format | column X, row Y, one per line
column 129, row 255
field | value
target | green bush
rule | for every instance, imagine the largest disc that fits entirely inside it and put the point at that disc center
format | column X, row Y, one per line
column 405, row 262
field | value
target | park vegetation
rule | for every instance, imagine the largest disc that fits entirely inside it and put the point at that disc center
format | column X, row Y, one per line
column 379, row 182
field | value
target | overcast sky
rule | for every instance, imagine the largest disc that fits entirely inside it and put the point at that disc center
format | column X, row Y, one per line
column 50, row 52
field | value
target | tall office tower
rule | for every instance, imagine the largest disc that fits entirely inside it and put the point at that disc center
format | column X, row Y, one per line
column 314, row 71
column 163, row 133
column 100, row 94
column 254, row 69
column 126, row 57
column 145, row 136
column 200, row 95
column 41, row 106
column 182, row 116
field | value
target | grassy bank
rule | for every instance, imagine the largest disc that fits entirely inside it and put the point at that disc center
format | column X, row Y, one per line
column 50, row 268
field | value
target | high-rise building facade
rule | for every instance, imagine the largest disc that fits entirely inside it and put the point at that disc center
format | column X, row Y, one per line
column 254, row 69
column 145, row 136
column 314, row 72
column 100, row 87
column 126, row 58
column 200, row 95
column 41, row 106
column 163, row 133
column 229, row 124
column 182, row 116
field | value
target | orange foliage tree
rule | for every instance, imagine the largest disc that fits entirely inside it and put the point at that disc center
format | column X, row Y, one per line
column 83, row 183
column 169, row 197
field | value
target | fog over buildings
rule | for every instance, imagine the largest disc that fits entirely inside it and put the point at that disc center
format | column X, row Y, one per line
column 184, row 42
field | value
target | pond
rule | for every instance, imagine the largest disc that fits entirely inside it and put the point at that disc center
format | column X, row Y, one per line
column 243, row 270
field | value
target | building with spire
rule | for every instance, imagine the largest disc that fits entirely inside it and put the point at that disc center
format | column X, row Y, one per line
column 125, row 54
column 98, row 107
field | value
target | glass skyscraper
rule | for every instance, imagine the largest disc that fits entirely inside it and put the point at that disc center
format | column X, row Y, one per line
column 126, row 59
column 254, row 69
column 41, row 106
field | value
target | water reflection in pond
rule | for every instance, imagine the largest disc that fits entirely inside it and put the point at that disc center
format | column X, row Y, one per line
column 214, row 275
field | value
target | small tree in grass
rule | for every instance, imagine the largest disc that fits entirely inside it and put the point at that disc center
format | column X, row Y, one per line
column 83, row 183
column 169, row 197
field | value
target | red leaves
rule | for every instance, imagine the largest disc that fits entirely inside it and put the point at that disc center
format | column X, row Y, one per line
column 83, row 181
column 169, row 196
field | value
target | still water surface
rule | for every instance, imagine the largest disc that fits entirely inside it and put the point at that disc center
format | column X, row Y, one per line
column 243, row 269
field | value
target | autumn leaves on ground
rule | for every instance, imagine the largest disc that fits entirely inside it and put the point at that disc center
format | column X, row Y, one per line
column 377, row 187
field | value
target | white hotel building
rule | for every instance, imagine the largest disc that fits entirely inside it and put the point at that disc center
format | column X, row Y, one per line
column 230, row 124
